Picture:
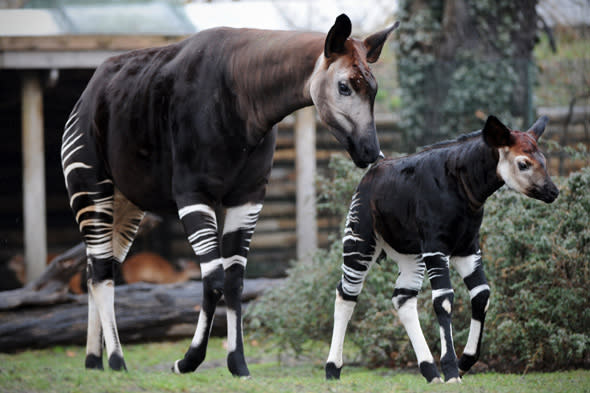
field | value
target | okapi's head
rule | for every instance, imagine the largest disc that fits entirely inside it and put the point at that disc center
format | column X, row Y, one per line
column 343, row 89
column 520, row 163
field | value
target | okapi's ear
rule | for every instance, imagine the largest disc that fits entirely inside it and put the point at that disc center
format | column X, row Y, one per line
column 538, row 128
column 496, row 134
column 337, row 35
column 374, row 43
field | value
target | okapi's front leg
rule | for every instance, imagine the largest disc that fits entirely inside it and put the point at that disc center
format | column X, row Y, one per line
column 238, row 229
column 471, row 270
column 405, row 301
column 200, row 224
column 437, row 266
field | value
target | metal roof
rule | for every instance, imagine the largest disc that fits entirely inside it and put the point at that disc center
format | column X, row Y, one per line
column 176, row 17
column 565, row 12
column 72, row 17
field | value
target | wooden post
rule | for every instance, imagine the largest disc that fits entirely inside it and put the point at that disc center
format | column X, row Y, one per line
column 35, row 229
column 305, row 166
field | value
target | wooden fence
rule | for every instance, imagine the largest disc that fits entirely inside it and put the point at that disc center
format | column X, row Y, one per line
column 274, row 243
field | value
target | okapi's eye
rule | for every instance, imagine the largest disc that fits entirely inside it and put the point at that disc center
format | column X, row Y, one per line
column 523, row 166
column 343, row 89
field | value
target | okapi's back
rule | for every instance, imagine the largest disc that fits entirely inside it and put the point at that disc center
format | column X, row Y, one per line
column 134, row 104
column 422, row 194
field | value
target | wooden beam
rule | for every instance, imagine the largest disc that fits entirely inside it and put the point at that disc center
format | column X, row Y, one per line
column 305, row 166
column 35, row 227
column 27, row 60
column 72, row 51
column 85, row 42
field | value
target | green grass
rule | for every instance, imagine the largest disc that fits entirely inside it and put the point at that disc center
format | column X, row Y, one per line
column 61, row 370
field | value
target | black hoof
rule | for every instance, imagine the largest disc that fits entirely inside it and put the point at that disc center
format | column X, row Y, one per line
column 466, row 362
column 117, row 363
column 449, row 368
column 93, row 362
column 191, row 360
column 332, row 372
column 182, row 367
column 429, row 371
column 237, row 365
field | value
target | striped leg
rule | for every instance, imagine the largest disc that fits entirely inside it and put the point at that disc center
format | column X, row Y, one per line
column 407, row 287
column 94, row 214
column 109, row 225
column 360, row 251
column 471, row 270
column 238, row 229
column 200, row 224
column 437, row 266
column 94, row 336
column 107, row 235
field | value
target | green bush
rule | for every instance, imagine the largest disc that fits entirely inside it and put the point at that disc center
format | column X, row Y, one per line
column 536, row 258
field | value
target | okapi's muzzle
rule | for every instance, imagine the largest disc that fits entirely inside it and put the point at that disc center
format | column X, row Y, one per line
column 547, row 193
column 364, row 150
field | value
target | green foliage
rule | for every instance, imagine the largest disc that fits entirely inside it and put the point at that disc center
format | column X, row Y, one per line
column 335, row 191
column 537, row 263
column 536, row 260
column 439, row 96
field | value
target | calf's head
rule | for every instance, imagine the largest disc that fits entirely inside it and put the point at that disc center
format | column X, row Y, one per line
column 343, row 89
column 521, row 164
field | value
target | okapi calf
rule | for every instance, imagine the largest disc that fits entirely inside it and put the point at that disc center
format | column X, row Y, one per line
column 188, row 128
column 424, row 211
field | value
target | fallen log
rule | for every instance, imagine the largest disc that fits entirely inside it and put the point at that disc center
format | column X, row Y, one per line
column 53, row 285
column 145, row 312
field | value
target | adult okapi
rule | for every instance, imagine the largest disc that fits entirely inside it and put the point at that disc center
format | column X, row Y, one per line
column 189, row 127
column 424, row 211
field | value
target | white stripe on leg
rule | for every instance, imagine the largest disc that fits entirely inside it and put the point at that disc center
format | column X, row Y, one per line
column 232, row 333
column 104, row 298
column 201, row 331
column 473, row 338
column 342, row 313
column 408, row 314
column 466, row 265
column 94, row 332
column 209, row 267
column 241, row 217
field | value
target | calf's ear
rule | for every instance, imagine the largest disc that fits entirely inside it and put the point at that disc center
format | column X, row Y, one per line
column 538, row 128
column 496, row 134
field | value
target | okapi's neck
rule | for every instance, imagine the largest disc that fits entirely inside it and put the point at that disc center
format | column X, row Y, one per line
column 270, row 71
column 474, row 164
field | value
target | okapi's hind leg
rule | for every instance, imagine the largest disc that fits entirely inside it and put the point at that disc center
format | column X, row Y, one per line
column 108, row 223
column 238, row 229
column 200, row 224
column 360, row 252
column 93, row 209
column 471, row 270
column 405, row 301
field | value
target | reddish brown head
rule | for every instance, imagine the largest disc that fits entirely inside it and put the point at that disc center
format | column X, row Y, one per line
column 521, row 164
column 343, row 89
